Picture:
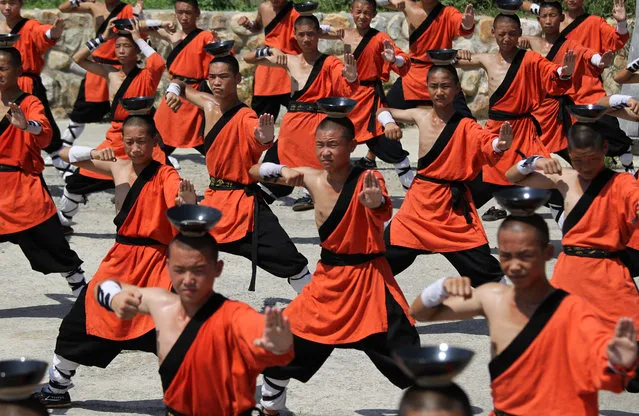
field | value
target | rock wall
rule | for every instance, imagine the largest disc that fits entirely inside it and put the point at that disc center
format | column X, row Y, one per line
column 63, row 83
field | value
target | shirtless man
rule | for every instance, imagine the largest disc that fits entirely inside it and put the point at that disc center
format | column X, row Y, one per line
column 551, row 354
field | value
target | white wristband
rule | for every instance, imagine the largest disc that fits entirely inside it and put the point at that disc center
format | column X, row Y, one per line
column 74, row 3
column 382, row 3
column 174, row 88
column 528, row 166
column 385, row 117
column 48, row 34
column 325, row 28
column 618, row 100
column 106, row 291
column 560, row 71
column 596, row 60
column 145, row 48
column 633, row 66
column 534, row 9
column 434, row 294
column 496, row 145
column 33, row 127
column 270, row 171
column 399, row 61
column 466, row 28
column 153, row 23
column 622, row 27
column 79, row 154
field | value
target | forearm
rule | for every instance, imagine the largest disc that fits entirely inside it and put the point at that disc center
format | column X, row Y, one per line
column 75, row 6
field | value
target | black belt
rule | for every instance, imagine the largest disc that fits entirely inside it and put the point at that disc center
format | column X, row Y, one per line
column 9, row 168
column 302, row 107
column 106, row 61
column 595, row 253
column 563, row 115
column 379, row 95
column 419, row 61
column 189, row 80
column 335, row 259
column 136, row 241
column 251, row 412
column 457, row 195
column 218, row 184
column 506, row 116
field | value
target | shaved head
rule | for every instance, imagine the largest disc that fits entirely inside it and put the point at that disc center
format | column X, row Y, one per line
column 307, row 20
column 205, row 244
column 145, row 121
column 533, row 223
column 449, row 69
column 13, row 55
column 507, row 18
column 344, row 124
column 584, row 136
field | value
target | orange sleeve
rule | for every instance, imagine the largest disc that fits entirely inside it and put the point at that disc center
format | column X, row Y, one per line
column 34, row 110
column 170, row 186
column 631, row 199
column 155, row 64
column 40, row 39
column 385, row 212
column 550, row 80
column 484, row 140
column 610, row 39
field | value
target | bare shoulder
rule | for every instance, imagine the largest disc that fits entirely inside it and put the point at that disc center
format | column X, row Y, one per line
column 489, row 293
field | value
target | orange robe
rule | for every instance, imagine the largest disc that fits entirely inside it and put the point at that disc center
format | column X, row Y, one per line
column 190, row 62
column 557, row 364
column 141, row 82
column 346, row 303
column 586, row 88
column 296, row 140
column 32, row 46
column 213, row 366
column 25, row 201
column 595, row 33
column 528, row 80
column 372, row 69
column 438, row 31
column 231, row 151
column 602, row 219
column 138, row 256
column 428, row 219
column 280, row 34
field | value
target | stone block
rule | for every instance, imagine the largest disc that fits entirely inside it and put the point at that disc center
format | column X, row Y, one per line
column 255, row 42
column 404, row 29
column 470, row 83
column 394, row 27
column 49, row 16
column 379, row 23
column 485, row 29
column 479, row 106
column 331, row 47
column 218, row 21
column 530, row 27
column 58, row 60
column 336, row 20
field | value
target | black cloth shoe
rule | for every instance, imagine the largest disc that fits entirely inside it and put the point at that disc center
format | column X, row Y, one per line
column 52, row 400
column 494, row 214
column 633, row 385
column 365, row 163
column 303, row 204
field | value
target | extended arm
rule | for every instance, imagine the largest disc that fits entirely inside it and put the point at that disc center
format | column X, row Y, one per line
column 99, row 161
column 126, row 301
column 538, row 172
column 279, row 174
column 447, row 299
column 77, row 6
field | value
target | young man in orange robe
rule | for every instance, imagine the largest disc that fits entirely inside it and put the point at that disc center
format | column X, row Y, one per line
column 27, row 212
column 353, row 300
column 145, row 189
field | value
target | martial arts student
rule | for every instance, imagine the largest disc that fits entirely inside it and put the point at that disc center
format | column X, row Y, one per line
column 376, row 55
column 35, row 39
column 234, row 141
column 448, row 400
column 518, row 81
column 187, row 62
column 90, row 335
column 551, row 353
column 313, row 76
column 601, row 210
column 353, row 300
column 438, row 214
column 211, row 349
column 124, row 81
column 27, row 213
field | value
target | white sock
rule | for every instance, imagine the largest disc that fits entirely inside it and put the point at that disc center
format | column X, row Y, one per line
column 626, row 159
column 75, row 279
column 405, row 173
column 69, row 205
column 300, row 280
column 60, row 374
column 273, row 394
column 72, row 132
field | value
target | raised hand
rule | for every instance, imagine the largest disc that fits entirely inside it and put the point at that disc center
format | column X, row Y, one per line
column 633, row 106
column 126, row 303
column 245, row 22
column 109, row 32
column 505, row 137
column 568, row 66
column 371, row 195
column 350, row 67
column 606, row 59
column 292, row 177
column 458, row 286
column 389, row 52
column 57, row 28
column 17, row 117
column 622, row 348
column 277, row 336
column 265, row 130
column 392, row 131
column 186, row 193
column 135, row 30
column 549, row 166
column 468, row 20
column 104, row 155
column 524, row 43
column 619, row 10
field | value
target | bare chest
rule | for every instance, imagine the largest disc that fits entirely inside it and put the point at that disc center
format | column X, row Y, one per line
column 300, row 71
column 115, row 82
column 496, row 71
column 429, row 132
column 352, row 39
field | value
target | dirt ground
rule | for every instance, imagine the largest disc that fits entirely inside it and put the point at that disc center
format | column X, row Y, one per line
column 33, row 305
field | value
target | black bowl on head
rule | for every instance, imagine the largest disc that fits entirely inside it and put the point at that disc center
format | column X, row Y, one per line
column 123, row 24
column 442, row 56
column 522, row 201
column 508, row 6
column 336, row 107
column 19, row 378
column 193, row 220
column 137, row 105
column 306, row 8
column 219, row 49
column 588, row 113
column 8, row 40
column 434, row 365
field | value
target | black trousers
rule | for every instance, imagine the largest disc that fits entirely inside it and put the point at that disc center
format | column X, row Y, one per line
column 276, row 253
column 269, row 104
column 41, row 92
column 168, row 150
column 482, row 192
column 618, row 140
column 76, row 345
column 88, row 112
column 390, row 151
column 395, row 98
column 476, row 263
column 310, row 356
column 45, row 247
column 85, row 185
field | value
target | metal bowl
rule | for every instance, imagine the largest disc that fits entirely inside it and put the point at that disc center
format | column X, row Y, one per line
column 8, row 40
column 306, row 8
column 442, row 56
column 588, row 113
column 220, row 49
column 508, row 6
column 434, row 365
column 336, row 107
column 123, row 24
column 193, row 220
column 137, row 105
column 19, row 378
column 522, row 201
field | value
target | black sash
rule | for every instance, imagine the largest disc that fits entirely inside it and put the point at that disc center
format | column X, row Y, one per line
column 317, row 68
column 508, row 79
column 5, row 123
column 132, row 196
column 368, row 36
column 426, row 23
column 336, row 259
column 563, row 114
column 180, row 46
column 175, row 357
column 122, row 90
column 9, row 168
column 217, row 128
column 379, row 95
column 587, row 199
column 457, row 195
column 278, row 17
column 341, row 206
column 18, row 27
column 593, row 253
column 302, row 107
column 579, row 20
column 498, row 115
column 136, row 241
column 111, row 15
column 499, row 364
column 251, row 412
